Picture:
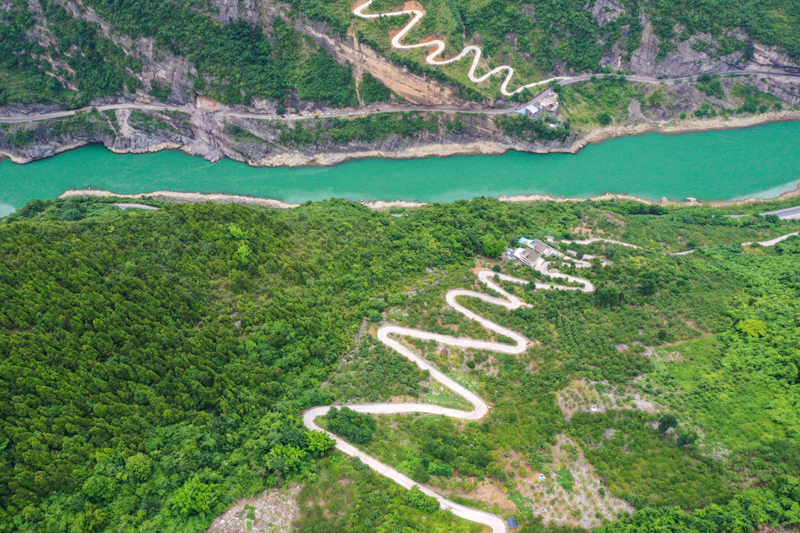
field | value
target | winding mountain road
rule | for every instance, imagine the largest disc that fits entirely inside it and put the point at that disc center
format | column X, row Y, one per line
column 438, row 47
column 387, row 334
column 791, row 213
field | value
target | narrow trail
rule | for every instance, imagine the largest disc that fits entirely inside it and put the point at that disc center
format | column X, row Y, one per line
column 387, row 335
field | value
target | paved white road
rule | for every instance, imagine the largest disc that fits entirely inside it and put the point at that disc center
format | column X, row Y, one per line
column 438, row 47
column 786, row 214
column 136, row 206
column 791, row 213
column 772, row 242
column 388, row 334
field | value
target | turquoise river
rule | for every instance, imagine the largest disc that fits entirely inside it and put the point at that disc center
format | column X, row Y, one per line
column 721, row 165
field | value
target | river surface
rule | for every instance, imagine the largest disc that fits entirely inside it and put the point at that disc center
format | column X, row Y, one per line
column 720, row 165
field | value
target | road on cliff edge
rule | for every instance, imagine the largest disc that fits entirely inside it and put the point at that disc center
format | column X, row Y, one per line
column 20, row 119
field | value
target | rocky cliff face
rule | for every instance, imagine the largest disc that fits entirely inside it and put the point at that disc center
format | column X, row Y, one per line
column 205, row 130
column 416, row 89
column 215, row 135
column 159, row 67
column 234, row 10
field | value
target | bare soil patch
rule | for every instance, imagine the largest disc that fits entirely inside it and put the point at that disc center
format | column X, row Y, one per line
column 589, row 502
column 583, row 396
column 272, row 511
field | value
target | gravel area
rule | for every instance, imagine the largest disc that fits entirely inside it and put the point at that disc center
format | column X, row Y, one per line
column 269, row 512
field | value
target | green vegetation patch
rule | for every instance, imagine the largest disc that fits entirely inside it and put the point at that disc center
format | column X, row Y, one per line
column 601, row 100
column 372, row 90
column 750, row 511
column 377, row 374
column 358, row 428
column 154, row 365
column 22, row 74
column 348, row 496
column 532, row 130
column 645, row 467
column 367, row 129
column 740, row 387
column 565, row 479
column 19, row 138
column 242, row 135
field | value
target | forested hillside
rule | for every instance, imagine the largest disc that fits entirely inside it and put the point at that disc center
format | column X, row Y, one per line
column 154, row 365
column 55, row 51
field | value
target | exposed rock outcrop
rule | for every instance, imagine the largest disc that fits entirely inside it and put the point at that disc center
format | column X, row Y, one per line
column 605, row 11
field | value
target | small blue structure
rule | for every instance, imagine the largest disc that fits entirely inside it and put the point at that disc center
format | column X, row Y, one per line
column 541, row 477
column 512, row 522
column 525, row 242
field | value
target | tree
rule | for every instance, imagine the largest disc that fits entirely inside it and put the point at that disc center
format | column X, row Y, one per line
column 687, row 438
column 667, row 421
column 419, row 500
column 648, row 287
column 492, row 247
column 319, row 443
column 194, row 498
column 608, row 296
column 285, row 458
column 139, row 466
column 752, row 327
column 356, row 427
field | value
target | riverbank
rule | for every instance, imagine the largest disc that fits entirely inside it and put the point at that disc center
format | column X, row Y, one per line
column 674, row 127
column 486, row 143
column 724, row 166
column 195, row 197
column 187, row 197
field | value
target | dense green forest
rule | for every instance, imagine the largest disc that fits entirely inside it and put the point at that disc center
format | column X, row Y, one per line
column 234, row 63
column 154, row 365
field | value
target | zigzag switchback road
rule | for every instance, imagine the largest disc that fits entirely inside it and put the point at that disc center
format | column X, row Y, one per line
column 439, row 46
column 416, row 16
column 480, row 409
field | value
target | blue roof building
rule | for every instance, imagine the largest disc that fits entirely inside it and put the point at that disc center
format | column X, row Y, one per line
column 512, row 522
column 525, row 242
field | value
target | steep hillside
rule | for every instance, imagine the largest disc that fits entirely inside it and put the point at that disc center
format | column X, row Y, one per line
column 251, row 52
column 155, row 365
column 212, row 59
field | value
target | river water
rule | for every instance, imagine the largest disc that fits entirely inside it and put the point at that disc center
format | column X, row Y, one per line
column 720, row 165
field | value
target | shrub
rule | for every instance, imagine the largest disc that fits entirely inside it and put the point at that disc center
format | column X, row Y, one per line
column 372, row 90
column 604, row 119
column 358, row 428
